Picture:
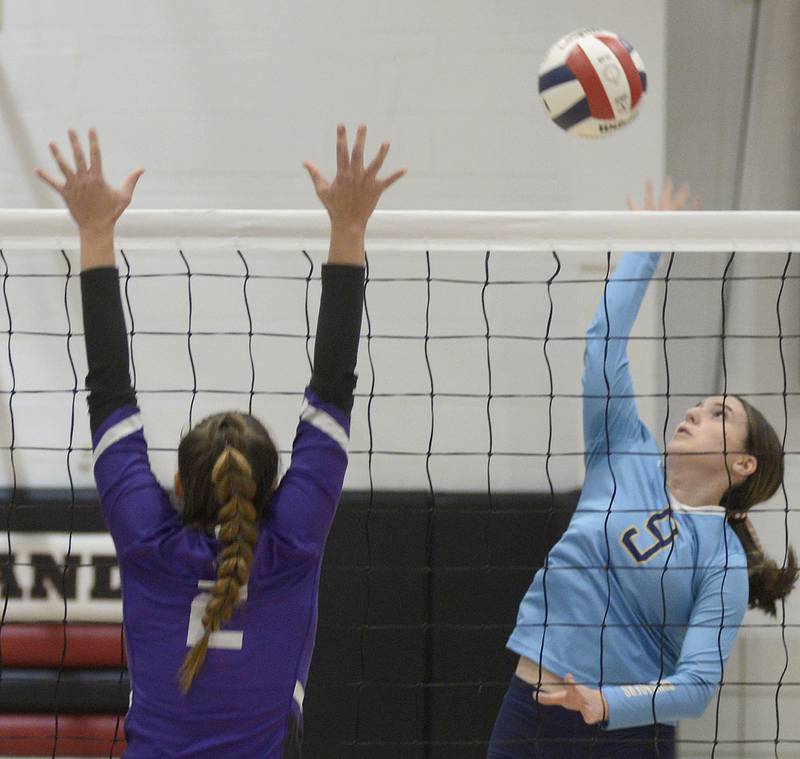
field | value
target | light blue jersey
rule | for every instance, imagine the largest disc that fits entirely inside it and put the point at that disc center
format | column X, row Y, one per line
column 638, row 599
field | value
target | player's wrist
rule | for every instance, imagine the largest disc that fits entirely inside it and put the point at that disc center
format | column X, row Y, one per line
column 348, row 228
column 347, row 245
column 96, row 232
column 97, row 247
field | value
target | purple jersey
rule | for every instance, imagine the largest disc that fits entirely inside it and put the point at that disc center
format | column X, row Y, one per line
column 255, row 673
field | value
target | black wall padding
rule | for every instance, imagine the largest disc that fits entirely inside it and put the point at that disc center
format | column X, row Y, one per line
column 438, row 588
column 43, row 691
column 48, row 510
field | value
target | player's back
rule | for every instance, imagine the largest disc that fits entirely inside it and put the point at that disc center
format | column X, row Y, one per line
column 253, row 677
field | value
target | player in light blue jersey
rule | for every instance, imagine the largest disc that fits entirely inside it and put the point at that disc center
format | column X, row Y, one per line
column 629, row 624
column 220, row 600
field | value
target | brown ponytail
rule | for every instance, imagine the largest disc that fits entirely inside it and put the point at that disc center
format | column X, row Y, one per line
column 230, row 493
column 769, row 583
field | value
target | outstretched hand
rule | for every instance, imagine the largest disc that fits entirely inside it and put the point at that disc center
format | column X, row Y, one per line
column 679, row 200
column 578, row 698
column 354, row 192
column 93, row 203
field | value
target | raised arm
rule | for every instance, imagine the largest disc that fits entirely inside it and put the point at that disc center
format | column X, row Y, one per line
column 350, row 200
column 95, row 206
column 609, row 408
column 319, row 453
column 133, row 502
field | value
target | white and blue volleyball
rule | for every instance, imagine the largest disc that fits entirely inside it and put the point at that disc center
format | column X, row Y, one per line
column 592, row 82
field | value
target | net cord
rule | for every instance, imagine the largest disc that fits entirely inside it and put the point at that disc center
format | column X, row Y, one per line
column 567, row 231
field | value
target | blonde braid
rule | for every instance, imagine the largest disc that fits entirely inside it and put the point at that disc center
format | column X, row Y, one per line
column 234, row 489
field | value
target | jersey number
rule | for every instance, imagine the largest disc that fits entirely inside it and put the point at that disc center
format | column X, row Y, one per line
column 653, row 527
column 230, row 639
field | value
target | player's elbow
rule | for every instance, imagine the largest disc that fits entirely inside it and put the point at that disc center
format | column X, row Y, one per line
column 700, row 694
column 594, row 346
column 698, row 708
column 598, row 330
column 596, row 362
column 593, row 379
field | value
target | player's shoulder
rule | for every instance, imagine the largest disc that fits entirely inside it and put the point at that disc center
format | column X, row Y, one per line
column 175, row 548
column 717, row 543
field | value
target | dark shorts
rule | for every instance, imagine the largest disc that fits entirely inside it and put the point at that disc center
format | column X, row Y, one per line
column 527, row 730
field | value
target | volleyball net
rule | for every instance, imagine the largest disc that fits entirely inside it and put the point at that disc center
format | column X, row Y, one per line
column 466, row 451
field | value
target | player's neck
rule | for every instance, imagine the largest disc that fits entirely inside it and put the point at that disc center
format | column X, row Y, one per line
column 693, row 486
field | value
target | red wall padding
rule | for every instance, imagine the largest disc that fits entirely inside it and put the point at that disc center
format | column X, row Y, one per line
column 78, row 735
column 42, row 646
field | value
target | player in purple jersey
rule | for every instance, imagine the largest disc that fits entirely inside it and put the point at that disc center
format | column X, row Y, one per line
column 627, row 628
column 220, row 600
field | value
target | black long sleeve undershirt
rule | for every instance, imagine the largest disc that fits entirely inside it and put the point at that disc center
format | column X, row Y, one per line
column 108, row 380
column 335, row 353
column 338, row 330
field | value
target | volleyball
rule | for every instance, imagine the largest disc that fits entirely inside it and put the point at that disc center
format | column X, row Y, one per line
column 592, row 82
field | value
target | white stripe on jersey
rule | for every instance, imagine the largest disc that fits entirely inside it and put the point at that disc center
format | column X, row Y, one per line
column 323, row 421
column 631, row 691
column 114, row 434
column 710, row 509
column 299, row 694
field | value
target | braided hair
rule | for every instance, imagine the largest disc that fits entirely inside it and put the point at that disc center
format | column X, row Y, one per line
column 227, row 465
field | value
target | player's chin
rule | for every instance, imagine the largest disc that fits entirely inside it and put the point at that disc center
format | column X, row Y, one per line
column 679, row 444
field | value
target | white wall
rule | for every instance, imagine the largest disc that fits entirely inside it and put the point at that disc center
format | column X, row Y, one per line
column 221, row 102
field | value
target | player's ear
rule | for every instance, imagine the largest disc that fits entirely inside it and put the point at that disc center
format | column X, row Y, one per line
column 179, row 493
column 746, row 465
